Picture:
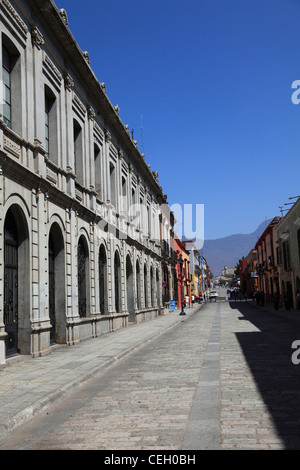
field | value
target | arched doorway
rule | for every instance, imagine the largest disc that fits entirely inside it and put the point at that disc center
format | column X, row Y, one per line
column 130, row 293
column 16, row 295
column 151, row 286
column 157, row 289
column 83, row 279
column 56, row 274
column 11, row 277
column 103, row 280
column 138, row 284
column 145, row 287
column 117, row 272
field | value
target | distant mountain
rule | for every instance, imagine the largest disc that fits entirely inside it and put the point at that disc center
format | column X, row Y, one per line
column 227, row 251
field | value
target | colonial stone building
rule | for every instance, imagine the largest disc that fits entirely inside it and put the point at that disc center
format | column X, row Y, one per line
column 80, row 246
column 287, row 249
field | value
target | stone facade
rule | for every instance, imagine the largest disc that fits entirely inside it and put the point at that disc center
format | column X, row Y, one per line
column 80, row 209
column 287, row 249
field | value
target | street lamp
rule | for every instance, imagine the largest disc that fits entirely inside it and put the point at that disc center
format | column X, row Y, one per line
column 180, row 261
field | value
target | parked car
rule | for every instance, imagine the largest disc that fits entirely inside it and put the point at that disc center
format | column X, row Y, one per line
column 213, row 294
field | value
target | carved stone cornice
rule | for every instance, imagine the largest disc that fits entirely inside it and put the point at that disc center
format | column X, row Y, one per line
column 69, row 82
column 37, row 37
column 91, row 113
column 107, row 136
column 64, row 16
column 155, row 175
column 86, row 56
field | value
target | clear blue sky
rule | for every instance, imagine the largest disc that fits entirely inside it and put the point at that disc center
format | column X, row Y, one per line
column 212, row 80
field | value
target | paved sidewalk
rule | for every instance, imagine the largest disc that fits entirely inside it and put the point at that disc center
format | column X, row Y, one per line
column 28, row 385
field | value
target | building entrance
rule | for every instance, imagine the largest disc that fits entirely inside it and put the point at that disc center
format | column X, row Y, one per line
column 11, row 285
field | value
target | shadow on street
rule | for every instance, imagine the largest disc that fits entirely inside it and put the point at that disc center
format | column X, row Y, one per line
column 269, row 355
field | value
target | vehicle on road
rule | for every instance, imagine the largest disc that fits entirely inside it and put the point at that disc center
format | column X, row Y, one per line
column 213, row 294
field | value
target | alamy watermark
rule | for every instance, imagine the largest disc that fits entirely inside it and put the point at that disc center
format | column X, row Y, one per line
column 187, row 220
column 296, row 94
column 296, row 354
column 188, row 223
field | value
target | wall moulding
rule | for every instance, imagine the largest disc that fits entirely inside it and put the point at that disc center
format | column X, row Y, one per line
column 15, row 17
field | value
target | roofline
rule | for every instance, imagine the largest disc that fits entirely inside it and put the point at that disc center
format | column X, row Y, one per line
column 61, row 33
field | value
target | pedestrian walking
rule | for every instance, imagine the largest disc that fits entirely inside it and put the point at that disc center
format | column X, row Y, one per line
column 187, row 301
column 193, row 300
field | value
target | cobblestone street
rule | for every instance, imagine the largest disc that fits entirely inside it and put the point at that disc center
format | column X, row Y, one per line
column 260, row 406
column 219, row 379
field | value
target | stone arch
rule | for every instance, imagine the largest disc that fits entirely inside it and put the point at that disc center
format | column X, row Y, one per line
column 151, row 286
column 57, row 283
column 157, row 287
column 145, row 285
column 117, row 281
column 83, row 278
column 103, row 299
column 17, row 288
column 138, row 283
column 130, row 290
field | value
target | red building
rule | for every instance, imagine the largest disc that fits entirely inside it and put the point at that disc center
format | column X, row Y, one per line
column 248, row 273
column 182, row 274
column 266, row 268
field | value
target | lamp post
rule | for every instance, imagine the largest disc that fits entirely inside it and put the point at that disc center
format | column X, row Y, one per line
column 180, row 261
